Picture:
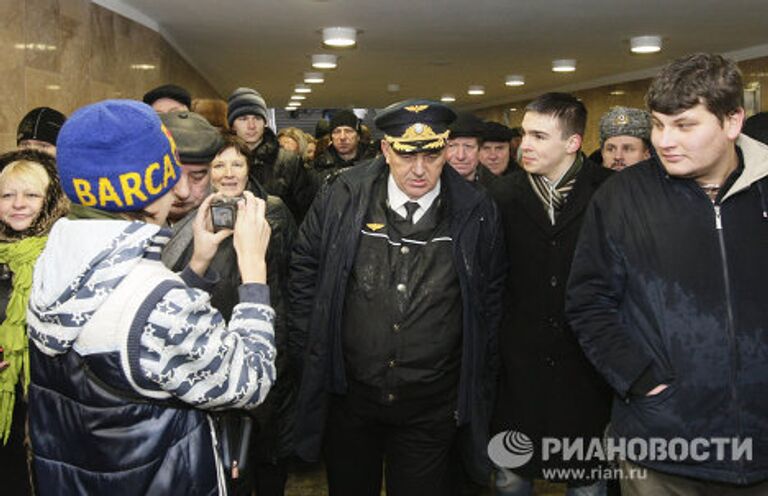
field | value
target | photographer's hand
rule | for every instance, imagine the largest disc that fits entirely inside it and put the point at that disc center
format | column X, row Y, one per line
column 252, row 238
column 206, row 242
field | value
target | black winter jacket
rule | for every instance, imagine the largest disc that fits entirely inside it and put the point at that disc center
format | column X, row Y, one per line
column 668, row 288
column 282, row 173
column 320, row 268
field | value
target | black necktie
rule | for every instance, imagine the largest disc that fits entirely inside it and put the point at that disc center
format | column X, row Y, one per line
column 410, row 208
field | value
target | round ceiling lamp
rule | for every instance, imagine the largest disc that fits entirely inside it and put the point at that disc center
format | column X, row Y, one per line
column 339, row 37
column 324, row 61
column 302, row 88
column 645, row 44
column 515, row 80
column 564, row 65
column 447, row 98
column 314, row 77
column 476, row 89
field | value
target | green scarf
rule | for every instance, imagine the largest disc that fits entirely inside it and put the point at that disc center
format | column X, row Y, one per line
column 20, row 257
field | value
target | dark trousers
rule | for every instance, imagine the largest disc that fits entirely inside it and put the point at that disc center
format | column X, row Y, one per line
column 409, row 442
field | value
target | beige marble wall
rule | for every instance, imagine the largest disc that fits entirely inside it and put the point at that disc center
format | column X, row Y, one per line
column 68, row 53
column 631, row 94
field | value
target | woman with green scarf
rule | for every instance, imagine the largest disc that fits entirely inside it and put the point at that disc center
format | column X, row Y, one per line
column 31, row 200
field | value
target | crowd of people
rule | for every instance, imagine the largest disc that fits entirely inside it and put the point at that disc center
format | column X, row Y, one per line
column 195, row 303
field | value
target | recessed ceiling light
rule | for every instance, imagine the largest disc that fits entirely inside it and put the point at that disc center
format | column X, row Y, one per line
column 618, row 92
column 52, row 87
column 324, row 61
column 294, row 104
column 447, row 98
column 645, row 44
column 393, row 87
column 314, row 77
column 291, row 108
column 298, row 97
column 142, row 67
column 514, row 80
column 564, row 65
column 302, row 88
column 513, row 109
column 339, row 37
column 476, row 89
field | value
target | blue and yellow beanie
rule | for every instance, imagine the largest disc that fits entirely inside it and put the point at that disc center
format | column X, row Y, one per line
column 116, row 155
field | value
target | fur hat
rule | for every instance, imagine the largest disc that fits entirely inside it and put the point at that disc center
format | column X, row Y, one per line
column 625, row 121
column 42, row 124
column 245, row 101
column 55, row 204
column 116, row 155
column 467, row 125
column 344, row 118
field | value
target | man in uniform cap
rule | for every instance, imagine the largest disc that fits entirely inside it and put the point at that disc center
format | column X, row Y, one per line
column 168, row 98
column 625, row 137
column 395, row 289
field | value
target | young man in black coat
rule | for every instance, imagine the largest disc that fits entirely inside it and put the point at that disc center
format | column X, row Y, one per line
column 547, row 387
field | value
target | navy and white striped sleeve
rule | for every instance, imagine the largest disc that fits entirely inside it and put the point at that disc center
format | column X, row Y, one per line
column 186, row 349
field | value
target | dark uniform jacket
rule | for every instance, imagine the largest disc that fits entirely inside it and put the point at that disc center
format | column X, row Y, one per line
column 322, row 260
column 668, row 287
column 547, row 385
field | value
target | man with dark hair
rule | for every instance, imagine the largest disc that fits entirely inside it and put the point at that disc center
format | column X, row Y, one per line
column 664, row 290
column 39, row 129
column 548, row 388
column 464, row 140
column 395, row 288
column 168, row 98
column 625, row 137
column 281, row 172
column 346, row 148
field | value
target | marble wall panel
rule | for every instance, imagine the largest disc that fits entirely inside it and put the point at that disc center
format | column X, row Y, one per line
column 42, row 35
column 102, row 44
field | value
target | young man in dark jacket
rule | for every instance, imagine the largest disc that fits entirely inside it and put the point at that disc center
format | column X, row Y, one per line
column 281, row 172
column 666, row 291
column 548, row 388
column 395, row 293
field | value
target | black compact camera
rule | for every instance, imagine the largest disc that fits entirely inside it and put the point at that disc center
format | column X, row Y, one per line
column 224, row 212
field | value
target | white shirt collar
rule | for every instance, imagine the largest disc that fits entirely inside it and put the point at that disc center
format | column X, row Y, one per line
column 397, row 199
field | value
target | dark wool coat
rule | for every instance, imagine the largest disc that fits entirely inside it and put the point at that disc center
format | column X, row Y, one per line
column 320, row 267
column 547, row 386
column 668, row 287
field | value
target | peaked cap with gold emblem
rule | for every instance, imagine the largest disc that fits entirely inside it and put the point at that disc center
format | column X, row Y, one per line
column 625, row 121
column 415, row 125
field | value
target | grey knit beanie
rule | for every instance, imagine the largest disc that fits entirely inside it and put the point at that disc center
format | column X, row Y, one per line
column 244, row 101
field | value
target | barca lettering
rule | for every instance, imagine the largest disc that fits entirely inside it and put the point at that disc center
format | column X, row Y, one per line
column 130, row 187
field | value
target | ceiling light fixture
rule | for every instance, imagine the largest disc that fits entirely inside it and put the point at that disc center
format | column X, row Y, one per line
column 298, row 97
column 302, row 88
column 513, row 109
column 645, row 44
column 324, row 61
column 447, row 98
column 564, row 65
column 291, row 108
column 476, row 89
column 393, row 87
column 339, row 37
column 514, row 80
column 617, row 92
column 314, row 77
column 142, row 67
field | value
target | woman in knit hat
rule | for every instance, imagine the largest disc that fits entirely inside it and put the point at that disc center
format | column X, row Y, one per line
column 31, row 200
column 126, row 355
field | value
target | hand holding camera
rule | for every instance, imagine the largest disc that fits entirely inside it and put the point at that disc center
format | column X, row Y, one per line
column 251, row 238
column 206, row 240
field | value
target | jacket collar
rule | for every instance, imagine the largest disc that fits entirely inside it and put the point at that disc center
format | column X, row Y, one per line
column 755, row 164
